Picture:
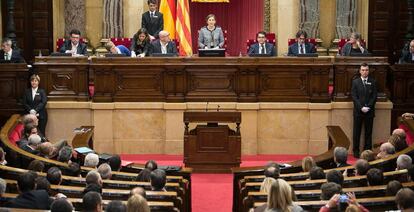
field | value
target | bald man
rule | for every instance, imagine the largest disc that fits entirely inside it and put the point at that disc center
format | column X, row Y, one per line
column 163, row 45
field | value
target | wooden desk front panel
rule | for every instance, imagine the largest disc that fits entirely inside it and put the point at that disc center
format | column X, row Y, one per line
column 64, row 78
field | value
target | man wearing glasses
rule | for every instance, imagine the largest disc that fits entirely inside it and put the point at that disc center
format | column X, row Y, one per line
column 301, row 46
column 74, row 46
column 262, row 47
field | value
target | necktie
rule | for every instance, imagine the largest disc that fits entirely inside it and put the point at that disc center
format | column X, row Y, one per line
column 262, row 49
column 6, row 56
column 301, row 49
column 152, row 14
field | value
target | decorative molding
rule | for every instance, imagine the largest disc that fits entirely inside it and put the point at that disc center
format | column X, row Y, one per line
column 346, row 17
column 75, row 16
column 113, row 19
column 266, row 18
column 309, row 17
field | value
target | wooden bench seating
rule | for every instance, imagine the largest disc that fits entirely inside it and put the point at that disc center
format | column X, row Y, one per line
column 159, row 206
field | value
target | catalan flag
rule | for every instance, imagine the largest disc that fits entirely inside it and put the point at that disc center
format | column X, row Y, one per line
column 167, row 8
column 183, row 28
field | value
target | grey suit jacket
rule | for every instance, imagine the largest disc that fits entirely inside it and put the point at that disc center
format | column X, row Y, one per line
column 207, row 37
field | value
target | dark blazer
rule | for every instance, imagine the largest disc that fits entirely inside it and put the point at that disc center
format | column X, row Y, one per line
column 29, row 150
column 406, row 57
column 364, row 97
column 255, row 49
column 82, row 48
column 346, row 50
column 294, row 49
column 145, row 47
column 16, row 57
column 36, row 199
column 38, row 104
column 153, row 25
column 156, row 47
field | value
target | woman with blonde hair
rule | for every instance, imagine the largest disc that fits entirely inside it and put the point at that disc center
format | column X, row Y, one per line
column 308, row 163
column 280, row 198
column 266, row 184
column 137, row 203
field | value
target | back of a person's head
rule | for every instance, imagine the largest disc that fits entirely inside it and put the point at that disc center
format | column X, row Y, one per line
column 393, row 187
column 404, row 162
column 340, row 154
column 116, row 206
column 93, row 187
column 329, row 189
column 362, row 166
column 105, row 171
column 144, row 176
column 272, row 164
column 138, row 190
column 272, row 171
column 29, row 119
column 65, row 154
column 316, row 173
column 352, row 208
column 368, row 155
column 91, row 160
column 36, row 165
column 335, row 176
column 93, row 177
column 73, row 169
column 54, row 175
column 398, row 142
column 405, row 199
column 266, row 184
column 387, row 148
column 3, row 186
column 375, row 177
column 158, row 179
column 61, row 205
column 280, row 195
column 115, row 162
column 308, row 163
column 45, row 149
column 91, row 201
column 34, row 140
column 137, row 203
column 26, row 181
column 151, row 165
column 43, row 184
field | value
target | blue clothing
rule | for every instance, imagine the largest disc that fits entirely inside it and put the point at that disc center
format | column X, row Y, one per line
column 255, row 49
column 124, row 50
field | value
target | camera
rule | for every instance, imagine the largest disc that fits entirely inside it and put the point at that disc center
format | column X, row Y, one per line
column 343, row 198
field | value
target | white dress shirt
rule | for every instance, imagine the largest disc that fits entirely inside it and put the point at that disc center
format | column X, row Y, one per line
column 304, row 49
column 34, row 91
column 164, row 47
column 7, row 55
column 262, row 48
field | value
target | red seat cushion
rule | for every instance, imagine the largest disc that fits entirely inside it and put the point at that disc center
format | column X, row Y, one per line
column 127, row 42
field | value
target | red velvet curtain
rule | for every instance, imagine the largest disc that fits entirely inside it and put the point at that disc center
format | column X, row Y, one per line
column 241, row 18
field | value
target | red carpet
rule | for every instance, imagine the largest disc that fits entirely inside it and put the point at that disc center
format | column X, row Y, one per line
column 213, row 192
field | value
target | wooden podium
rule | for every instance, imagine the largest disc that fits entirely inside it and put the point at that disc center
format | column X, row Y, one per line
column 212, row 148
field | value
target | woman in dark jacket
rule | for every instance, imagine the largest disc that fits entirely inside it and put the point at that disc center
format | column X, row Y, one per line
column 141, row 45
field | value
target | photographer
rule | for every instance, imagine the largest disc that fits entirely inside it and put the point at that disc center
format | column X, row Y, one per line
column 339, row 199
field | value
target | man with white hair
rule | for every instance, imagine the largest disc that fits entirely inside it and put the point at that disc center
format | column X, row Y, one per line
column 386, row 149
column 93, row 177
column 341, row 156
column 404, row 162
column 91, row 160
column 9, row 55
column 34, row 141
column 163, row 45
column 105, row 171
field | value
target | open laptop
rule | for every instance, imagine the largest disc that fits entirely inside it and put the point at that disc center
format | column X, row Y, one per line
column 114, row 55
column 164, row 55
column 308, row 55
column 59, row 54
column 211, row 52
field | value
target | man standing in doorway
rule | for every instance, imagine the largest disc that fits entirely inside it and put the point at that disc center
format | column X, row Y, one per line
column 364, row 96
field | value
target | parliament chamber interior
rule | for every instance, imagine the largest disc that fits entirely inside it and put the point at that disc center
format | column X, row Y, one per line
column 207, row 105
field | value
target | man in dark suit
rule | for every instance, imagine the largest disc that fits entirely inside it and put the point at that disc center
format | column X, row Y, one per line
column 262, row 47
column 408, row 54
column 9, row 55
column 28, row 197
column 152, row 20
column 364, row 96
column 301, row 46
column 74, row 46
column 34, row 102
column 164, row 45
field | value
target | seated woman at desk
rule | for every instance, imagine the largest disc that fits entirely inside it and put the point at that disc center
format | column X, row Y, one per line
column 141, row 45
column 210, row 36
column 354, row 46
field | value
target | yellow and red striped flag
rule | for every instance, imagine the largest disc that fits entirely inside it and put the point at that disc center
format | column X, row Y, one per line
column 167, row 8
column 183, row 28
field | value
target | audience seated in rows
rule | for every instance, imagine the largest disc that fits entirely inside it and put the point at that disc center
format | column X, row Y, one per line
column 368, row 155
column 341, row 156
column 54, row 175
column 158, row 180
column 386, row 150
column 29, row 197
column 115, row 162
column 393, row 187
column 91, row 160
column 316, row 173
column 308, row 163
column 116, row 206
column 92, row 201
column 375, row 177
column 36, row 165
column 137, row 203
column 105, row 171
column 29, row 129
column 18, row 130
